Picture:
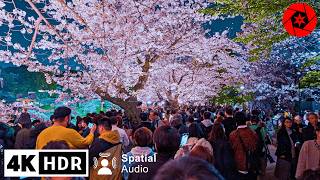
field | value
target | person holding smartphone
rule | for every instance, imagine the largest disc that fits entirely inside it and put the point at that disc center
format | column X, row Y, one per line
column 59, row 131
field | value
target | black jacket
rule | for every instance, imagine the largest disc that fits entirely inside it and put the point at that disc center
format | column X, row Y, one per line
column 229, row 125
column 224, row 158
column 206, row 130
column 296, row 127
column 284, row 144
column 34, row 133
column 308, row 133
column 85, row 132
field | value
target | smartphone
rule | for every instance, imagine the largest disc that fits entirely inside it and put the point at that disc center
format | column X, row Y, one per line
column 184, row 139
column 90, row 125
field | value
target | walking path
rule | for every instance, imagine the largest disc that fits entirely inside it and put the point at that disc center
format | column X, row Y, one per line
column 270, row 167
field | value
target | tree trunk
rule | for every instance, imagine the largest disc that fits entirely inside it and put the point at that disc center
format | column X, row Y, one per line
column 132, row 112
column 129, row 106
column 173, row 103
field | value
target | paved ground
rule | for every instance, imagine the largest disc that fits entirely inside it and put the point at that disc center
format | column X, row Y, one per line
column 270, row 167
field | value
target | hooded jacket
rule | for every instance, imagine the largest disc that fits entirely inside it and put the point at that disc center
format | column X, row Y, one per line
column 249, row 139
column 105, row 141
column 206, row 126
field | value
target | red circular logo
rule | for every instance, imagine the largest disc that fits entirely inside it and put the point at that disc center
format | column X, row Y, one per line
column 299, row 19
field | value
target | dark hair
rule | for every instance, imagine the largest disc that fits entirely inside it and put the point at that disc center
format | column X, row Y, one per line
column 176, row 121
column 221, row 113
column 56, row 145
column 105, row 122
column 216, row 133
column 61, row 112
column 318, row 126
column 202, row 153
column 255, row 112
column 119, row 121
column 143, row 137
column 79, row 119
column 254, row 118
column 312, row 114
column 166, row 140
column 202, row 111
column 194, row 130
column 35, row 122
column 87, row 120
column 108, row 113
column 229, row 111
column 190, row 119
column 37, row 130
column 143, row 116
column 51, row 118
column 283, row 121
column 207, row 115
column 25, row 120
column 240, row 118
column 113, row 120
column 188, row 168
column 139, row 103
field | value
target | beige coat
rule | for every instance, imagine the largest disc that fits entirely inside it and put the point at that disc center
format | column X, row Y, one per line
column 309, row 158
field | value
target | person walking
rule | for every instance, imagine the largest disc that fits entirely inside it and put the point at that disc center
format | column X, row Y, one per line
column 244, row 143
column 123, row 135
column 166, row 140
column 23, row 136
column 229, row 122
column 206, row 123
column 309, row 133
column 286, row 152
column 143, row 141
column 222, row 152
column 309, row 157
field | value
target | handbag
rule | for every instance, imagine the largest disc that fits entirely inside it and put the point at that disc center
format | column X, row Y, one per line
column 269, row 157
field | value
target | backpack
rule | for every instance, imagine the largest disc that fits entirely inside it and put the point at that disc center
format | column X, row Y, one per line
column 205, row 130
column 252, row 158
column 114, row 164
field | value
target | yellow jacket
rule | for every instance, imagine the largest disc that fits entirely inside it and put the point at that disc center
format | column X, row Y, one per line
column 60, row 133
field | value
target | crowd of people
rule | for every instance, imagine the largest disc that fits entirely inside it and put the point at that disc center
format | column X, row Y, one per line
column 187, row 143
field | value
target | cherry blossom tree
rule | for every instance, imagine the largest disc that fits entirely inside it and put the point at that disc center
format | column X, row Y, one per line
column 277, row 79
column 6, row 110
column 113, row 49
column 187, row 81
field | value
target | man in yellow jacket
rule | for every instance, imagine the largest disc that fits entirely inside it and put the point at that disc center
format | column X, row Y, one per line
column 59, row 132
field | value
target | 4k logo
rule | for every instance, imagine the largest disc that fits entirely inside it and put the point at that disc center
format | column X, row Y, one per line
column 25, row 162
column 45, row 163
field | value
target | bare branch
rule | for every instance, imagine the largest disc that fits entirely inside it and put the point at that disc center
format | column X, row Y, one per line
column 34, row 37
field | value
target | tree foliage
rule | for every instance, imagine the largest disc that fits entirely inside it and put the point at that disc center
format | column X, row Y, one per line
column 263, row 22
column 231, row 95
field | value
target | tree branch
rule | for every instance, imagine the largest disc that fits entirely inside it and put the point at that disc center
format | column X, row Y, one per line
column 62, row 2
column 34, row 38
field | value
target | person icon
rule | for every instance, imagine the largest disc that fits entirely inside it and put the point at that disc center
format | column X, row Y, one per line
column 104, row 170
